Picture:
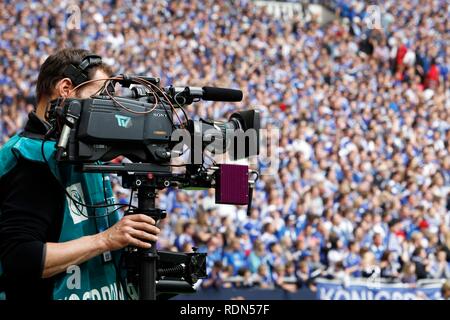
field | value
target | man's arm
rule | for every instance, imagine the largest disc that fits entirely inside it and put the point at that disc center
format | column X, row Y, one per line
column 32, row 209
column 131, row 230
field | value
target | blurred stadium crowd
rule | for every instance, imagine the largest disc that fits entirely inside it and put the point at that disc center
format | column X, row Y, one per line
column 362, row 184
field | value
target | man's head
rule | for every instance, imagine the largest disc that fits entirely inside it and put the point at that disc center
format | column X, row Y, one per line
column 188, row 228
column 442, row 255
column 377, row 239
column 354, row 246
column 53, row 82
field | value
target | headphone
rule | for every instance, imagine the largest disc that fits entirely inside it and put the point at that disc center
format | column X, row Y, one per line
column 79, row 74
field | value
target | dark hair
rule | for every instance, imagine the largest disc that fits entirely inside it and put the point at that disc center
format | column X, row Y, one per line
column 186, row 225
column 417, row 251
column 241, row 272
column 53, row 67
column 351, row 243
column 385, row 256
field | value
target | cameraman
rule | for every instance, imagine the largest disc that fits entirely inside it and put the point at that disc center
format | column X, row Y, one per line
column 51, row 247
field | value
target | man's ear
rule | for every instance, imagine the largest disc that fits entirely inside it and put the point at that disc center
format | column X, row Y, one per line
column 63, row 87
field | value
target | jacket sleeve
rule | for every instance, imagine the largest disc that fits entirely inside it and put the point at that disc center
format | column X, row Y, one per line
column 31, row 212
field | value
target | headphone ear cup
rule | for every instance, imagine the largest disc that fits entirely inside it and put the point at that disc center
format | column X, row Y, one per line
column 78, row 75
column 75, row 75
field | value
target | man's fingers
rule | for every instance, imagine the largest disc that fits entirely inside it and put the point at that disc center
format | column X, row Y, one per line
column 140, row 244
column 145, row 227
column 142, row 235
column 142, row 218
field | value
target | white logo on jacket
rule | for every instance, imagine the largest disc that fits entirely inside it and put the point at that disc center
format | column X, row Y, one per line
column 77, row 211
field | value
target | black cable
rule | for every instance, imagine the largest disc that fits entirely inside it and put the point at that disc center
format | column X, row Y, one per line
column 131, row 199
column 105, row 196
column 179, row 105
column 117, row 268
column 104, row 188
column 106, row 90
column 167, row 112
column 155, row 95
column 81, row 203
column 257, row 174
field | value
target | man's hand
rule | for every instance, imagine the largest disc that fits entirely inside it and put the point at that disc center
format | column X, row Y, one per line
column 136, row 230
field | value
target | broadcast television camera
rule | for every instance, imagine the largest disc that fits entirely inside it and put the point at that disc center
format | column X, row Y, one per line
column 140, row 126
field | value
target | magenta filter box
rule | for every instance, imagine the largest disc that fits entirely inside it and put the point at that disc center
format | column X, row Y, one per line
column 232, row 184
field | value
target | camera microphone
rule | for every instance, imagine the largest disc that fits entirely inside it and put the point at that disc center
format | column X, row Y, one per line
column 221, row 94
column 188, row 93
column 205, row 93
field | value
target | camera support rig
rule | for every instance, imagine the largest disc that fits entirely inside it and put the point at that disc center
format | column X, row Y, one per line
column 147, row 257
column 159, row 272
column 147, row 179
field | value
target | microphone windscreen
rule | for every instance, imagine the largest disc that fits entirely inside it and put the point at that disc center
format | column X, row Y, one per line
column 221, row 94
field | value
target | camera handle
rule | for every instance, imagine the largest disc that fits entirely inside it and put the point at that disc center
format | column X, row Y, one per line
column 147, row 258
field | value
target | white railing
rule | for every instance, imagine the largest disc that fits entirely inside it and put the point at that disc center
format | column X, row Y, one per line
column 423, row 283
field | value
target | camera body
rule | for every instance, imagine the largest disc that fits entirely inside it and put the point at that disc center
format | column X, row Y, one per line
column 100, row 130
column 106, row 131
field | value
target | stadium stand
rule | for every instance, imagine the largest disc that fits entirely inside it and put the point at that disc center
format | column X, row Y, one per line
column 362, row 185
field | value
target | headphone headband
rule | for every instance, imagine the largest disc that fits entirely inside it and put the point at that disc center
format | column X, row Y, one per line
column 78, row 74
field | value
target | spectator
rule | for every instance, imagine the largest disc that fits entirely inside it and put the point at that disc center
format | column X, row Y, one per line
column 336, row 253
column 185, row 238
column 257, row 256
column 303, row 275
column 263, row 278
column 316, row 267
column 247, row 279
column 214, row 279
column 422, row 263
column 440, row 268
column 377, row 246
column 234, row 256
column 279, row 272
column 276, row 255
column 390, row 266
column 352, row 261
column 395, row 237
column 369, row 267
column 409, row 273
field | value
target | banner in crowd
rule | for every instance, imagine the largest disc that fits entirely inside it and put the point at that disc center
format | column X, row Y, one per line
column 248, row 294
column 354, row 290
